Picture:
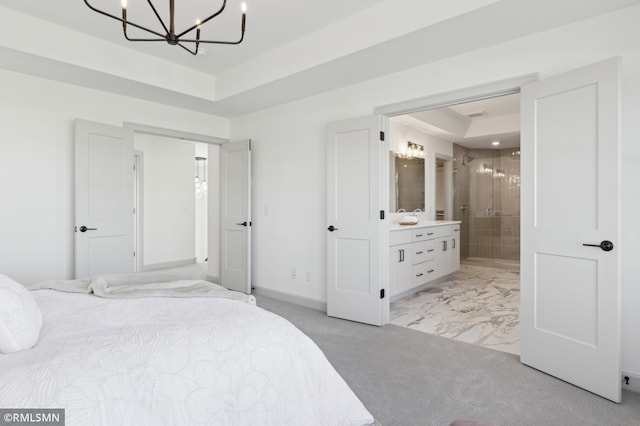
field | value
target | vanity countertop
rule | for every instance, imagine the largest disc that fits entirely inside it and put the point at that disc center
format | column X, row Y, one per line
column 422, row 224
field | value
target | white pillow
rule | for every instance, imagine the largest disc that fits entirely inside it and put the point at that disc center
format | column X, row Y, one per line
column 20, row 317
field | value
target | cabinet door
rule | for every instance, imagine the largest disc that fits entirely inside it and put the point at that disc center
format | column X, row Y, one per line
column 443, row 257
column 400, row 268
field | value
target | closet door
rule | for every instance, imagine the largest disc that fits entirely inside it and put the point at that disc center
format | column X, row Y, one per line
column 103, row 199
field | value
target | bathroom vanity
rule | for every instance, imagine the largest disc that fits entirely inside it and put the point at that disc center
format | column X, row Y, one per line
column 420, row 254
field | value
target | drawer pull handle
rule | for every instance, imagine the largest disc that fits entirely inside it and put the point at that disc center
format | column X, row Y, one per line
column 430, row 250
column 418, row 235
column 456, row 230
column 430, row 271
column 430, row 233
column 419, row 275
column 419, row 252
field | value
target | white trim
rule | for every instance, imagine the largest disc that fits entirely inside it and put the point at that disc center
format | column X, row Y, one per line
column 291, row 298
column 634, row 382
column 168, row 265
column 178, row 134
column 469, row 94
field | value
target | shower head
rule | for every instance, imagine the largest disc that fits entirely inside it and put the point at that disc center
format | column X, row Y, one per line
column 466, row 158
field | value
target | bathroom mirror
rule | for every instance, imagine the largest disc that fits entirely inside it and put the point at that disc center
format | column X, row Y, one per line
column 406, row 181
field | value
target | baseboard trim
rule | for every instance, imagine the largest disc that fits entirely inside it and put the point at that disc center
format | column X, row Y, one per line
column 634, row 382
column 167, row 265
column 292, row 298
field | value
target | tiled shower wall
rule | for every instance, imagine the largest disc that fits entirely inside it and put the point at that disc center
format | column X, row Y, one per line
column 487, row 201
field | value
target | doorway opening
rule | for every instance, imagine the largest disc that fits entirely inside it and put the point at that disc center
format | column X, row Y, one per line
column 476, row 181
column 174, row 182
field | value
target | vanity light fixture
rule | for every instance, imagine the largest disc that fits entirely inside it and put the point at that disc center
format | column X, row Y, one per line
column 411, row 150
column 169, row 34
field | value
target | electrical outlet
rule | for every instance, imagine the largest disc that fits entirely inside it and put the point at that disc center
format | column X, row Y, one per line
column 293, row 273
column 308, row 276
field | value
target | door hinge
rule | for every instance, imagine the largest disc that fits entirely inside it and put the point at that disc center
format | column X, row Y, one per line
column 381, row 214
column 382, row 293
column 382, row 136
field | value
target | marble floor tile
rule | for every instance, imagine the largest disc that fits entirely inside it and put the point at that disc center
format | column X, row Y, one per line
column 477, row 305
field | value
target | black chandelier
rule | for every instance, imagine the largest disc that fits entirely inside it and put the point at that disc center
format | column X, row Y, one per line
column 170, row 35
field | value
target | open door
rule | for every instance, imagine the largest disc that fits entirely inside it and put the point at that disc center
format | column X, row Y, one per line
column 235, row 208
column 104, row 203
column 357, row 178
column 570, row 297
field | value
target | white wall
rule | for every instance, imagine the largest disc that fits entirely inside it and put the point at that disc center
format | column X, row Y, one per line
column 36, row 165
column 289, row 150
column 168, row 200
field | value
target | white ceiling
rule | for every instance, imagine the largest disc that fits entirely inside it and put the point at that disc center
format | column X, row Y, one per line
column 269, row 24
column 292, row 49
column 494, row 119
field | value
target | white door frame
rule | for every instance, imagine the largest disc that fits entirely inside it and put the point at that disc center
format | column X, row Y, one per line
column 138, row 214
column 177, row 134
column 469, row 94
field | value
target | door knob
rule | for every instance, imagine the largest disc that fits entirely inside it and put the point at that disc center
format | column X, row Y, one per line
column 332, row 228
column 242, row 224
column 606, row 245
column 85, row 229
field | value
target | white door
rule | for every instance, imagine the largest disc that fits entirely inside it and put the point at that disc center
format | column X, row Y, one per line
column 570, row 320
column 235, row 208
column 357, row 178
column 104, row 203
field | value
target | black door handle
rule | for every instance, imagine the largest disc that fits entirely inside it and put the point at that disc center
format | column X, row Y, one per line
column 85, row 229
column 606, row 245
column 332, row 228
column 243, row 223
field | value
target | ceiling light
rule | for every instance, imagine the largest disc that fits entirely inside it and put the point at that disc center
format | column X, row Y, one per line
column 495, row 143
column 169, row 34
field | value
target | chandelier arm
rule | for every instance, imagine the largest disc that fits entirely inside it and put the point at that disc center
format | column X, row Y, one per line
column 123, row 21
column 158, row 16
column 214, row 41
column 189, row 50
column 224, row 4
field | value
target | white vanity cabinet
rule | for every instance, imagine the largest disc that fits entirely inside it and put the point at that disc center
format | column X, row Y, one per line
column 422, row 254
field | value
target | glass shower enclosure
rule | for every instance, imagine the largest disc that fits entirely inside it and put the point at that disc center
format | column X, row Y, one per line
column 487, row 202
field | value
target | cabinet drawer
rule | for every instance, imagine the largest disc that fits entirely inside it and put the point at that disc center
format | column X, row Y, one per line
column 423, row 251
column 423, row 272
column 431, row 232
column 400, row 237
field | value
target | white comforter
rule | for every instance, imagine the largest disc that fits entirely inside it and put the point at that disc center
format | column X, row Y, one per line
column 174, row 361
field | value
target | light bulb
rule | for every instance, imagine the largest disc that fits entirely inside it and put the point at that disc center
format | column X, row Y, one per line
column 243, row 7
column 198, row 23
column 124, row 4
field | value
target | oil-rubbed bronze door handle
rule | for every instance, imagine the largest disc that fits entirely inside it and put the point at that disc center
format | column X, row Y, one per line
column 605, row 245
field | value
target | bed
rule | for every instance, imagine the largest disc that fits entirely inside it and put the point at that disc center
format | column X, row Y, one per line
column 146, row 360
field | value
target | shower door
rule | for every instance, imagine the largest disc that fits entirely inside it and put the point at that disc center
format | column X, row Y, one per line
column 487, row 201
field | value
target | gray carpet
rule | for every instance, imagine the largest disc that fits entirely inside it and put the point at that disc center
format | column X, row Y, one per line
column 408, row 378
